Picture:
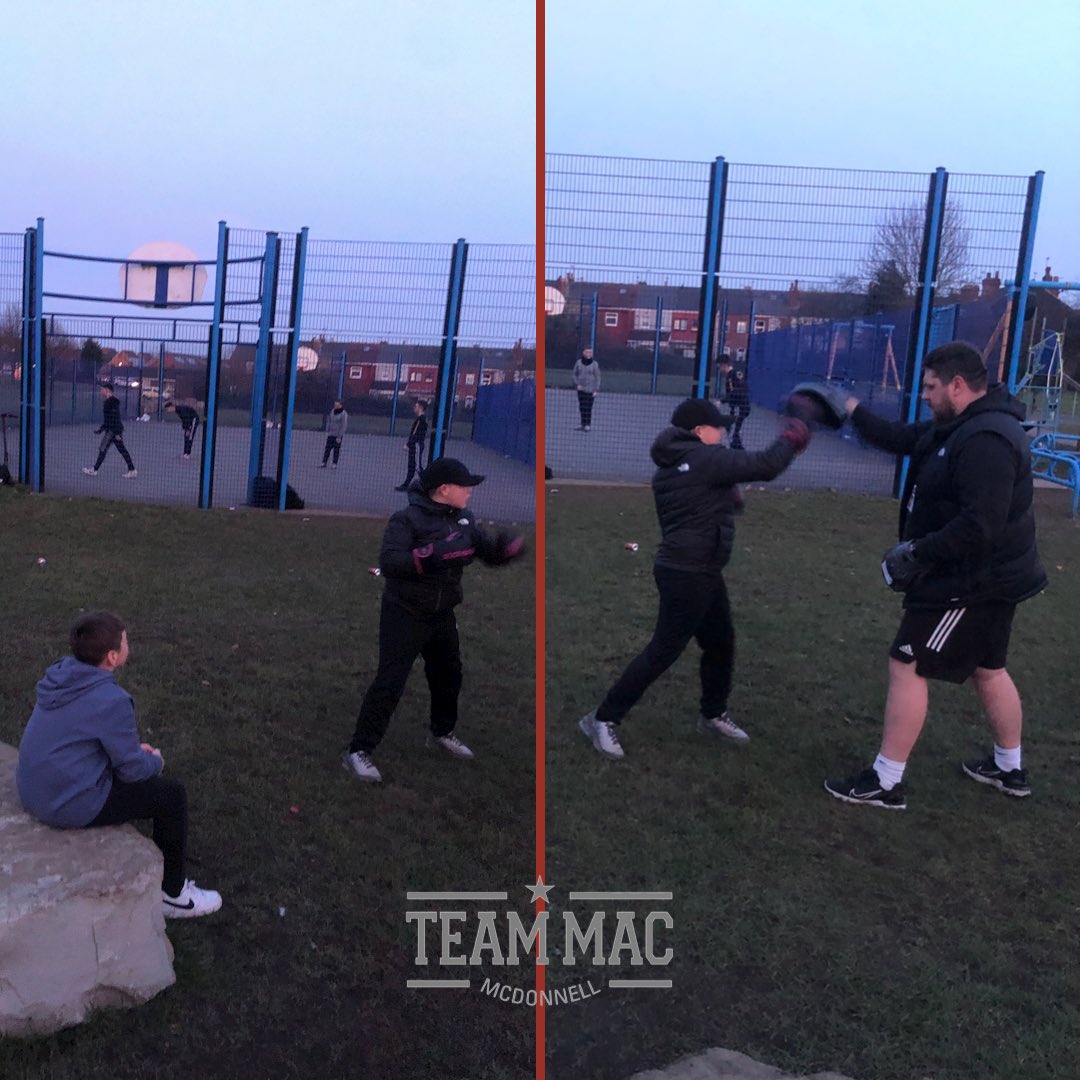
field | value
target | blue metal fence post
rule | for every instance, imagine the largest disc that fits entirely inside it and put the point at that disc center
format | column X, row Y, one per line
column 25, row 423
column 74, row 387
column 260, row 372
column 37, row 479
column 285, row 445
column 341, row 380
column 710, row 270
column 161, row 382
column 924, row 307
column 446, row 381
column 595, row 310
column 1023, row 275
column 656, row 342
column 213, row 372
column 393, row 407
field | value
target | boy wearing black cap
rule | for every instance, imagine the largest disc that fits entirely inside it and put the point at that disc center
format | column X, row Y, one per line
column 694, row 487
column 424, row 551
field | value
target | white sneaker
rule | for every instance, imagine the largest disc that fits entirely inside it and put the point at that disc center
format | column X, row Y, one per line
column 452, row 745
column 361, row 766
column 603, row 735
column 723, row 725
column 191, row 903
column 334, row 466
column 131, row 474
column 90, row 472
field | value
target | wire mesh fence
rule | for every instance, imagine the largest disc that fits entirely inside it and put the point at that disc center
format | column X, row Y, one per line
column 817, row 277
column 217, row 419
column 11, row 300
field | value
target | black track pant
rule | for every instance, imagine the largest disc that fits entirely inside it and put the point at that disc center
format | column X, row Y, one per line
column 403, row 636
column 333, row 444
column 165, row 801
column 416, row 450
column 691, row 606
column 189, row 435
column 585, row 404
column 112, row 439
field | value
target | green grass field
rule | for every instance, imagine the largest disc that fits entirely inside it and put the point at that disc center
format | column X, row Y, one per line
column 937, row 943
column 253, row 638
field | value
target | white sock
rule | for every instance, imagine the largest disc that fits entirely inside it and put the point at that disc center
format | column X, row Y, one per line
column 1006, row 760
column 890, row 773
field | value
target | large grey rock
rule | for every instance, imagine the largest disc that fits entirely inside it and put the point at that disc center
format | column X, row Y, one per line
column 81, row 926
column 718, row 1064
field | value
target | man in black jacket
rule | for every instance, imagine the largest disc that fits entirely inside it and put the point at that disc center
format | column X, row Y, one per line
column 424, row 551
column 966, row 558
column 113, row 428
column 736, row 396
column 414, row 444
column 696, row 494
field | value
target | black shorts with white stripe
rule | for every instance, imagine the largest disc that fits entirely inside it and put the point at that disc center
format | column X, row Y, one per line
column 950, row 643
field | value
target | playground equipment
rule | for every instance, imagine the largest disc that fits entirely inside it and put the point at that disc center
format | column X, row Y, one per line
column 1044, row 381
column 1056, row 458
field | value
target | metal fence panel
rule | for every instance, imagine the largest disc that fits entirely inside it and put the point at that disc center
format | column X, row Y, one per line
column 818, row 271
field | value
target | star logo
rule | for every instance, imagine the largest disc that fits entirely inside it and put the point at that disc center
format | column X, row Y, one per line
column 539, row 891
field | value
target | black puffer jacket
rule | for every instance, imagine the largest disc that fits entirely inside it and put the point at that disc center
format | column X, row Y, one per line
column 426, row 585
column 694, row 489
column 967, row 502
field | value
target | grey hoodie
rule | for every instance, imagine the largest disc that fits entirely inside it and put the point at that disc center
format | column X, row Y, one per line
column 587, row 376
column 336, row 423
column 80, row 735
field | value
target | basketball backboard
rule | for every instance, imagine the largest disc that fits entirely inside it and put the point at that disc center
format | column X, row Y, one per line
column 162, row 274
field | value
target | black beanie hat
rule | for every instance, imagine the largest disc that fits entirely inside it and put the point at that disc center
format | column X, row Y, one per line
column 694, row 412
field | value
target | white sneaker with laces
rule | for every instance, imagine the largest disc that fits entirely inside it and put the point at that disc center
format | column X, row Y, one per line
column 452, row 745
column 191, row 903
column 90, row 472
column 723, row 725
column 131, row 474
column 603, row 735
column 361, row 766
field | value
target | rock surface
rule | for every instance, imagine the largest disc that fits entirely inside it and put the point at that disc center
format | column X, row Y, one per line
column 81, row 926
column 720, row 1064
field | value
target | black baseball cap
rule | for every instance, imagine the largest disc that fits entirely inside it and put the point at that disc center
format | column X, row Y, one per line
column 694, row 412
column 448, row 470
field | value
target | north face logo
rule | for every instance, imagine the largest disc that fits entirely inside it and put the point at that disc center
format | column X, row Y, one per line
column 683, row 467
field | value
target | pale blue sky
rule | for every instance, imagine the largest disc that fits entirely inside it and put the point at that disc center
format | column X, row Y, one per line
column 977, row 86
column 125, row 121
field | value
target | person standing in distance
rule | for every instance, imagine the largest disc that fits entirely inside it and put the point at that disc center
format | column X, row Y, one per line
column 967, row 556
column 414, row 444
column 336, row 422
column 587, row 383
column 736, row 397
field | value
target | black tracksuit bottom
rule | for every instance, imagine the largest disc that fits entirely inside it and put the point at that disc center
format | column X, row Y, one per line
column 403, row 636
column 691, row 606
column 164, row 800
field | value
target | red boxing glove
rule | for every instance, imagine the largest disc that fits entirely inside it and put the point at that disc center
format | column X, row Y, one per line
column 797, row 433
column 513, row 548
